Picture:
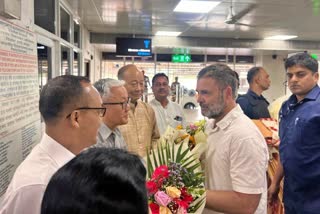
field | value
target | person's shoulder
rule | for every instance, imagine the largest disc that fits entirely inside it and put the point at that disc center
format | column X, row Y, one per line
column 25, row 199
column 153, row 103
column 243, row 100
column 36, row 169
column 176, row 105
column 147, row 106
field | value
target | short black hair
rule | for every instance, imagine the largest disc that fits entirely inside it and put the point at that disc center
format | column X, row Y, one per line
column 252, row 73
column 223, row 74
column 98, row 180
column 302, row 59
column 154, row 78
column 58, row 93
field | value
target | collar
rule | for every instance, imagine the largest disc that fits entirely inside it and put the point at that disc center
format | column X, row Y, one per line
column 312, row 95
column 157, row 103
column 105, row 131
column 55, row 150
column 254, row 95
column 228, row 118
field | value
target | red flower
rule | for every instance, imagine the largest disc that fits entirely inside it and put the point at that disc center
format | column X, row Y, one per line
column 185, row 199
column 152, row 187
column 161, row 172
column 154, row 208
column 181, row 203
column 185, row 196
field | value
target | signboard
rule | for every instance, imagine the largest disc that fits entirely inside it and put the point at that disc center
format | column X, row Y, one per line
column 181, row 58
column 20, row 126
column 133, row 47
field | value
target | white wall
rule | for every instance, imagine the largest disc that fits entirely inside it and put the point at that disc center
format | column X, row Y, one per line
column 275, row 68
column 88, row 51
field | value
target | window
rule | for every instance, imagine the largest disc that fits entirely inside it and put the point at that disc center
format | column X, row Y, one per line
column 44, row 14
column 64, row 25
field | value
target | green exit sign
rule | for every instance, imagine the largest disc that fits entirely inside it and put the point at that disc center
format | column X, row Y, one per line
column 181, row 58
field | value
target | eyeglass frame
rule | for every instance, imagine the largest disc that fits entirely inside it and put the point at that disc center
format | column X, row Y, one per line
column 102, row 109
column 123, row 104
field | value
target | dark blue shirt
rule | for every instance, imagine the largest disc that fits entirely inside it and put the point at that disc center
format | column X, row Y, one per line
column 254, row 106
column 300, row 153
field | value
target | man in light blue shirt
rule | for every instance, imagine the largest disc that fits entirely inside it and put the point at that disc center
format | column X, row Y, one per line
column 115, row 98
column 168, row 113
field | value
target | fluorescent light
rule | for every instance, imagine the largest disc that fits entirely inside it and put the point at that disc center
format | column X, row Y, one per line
column 281, row 37
column 168, row 33
column 192, row 6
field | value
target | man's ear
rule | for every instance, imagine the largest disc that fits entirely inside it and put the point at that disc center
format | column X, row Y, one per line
column 317, row 75
column 229, row 91
column 75, row 117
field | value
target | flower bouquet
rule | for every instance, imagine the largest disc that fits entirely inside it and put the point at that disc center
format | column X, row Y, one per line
column 175, row 180
column 195, row 132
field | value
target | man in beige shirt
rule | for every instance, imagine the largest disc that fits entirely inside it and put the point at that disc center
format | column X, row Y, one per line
column 141, row 131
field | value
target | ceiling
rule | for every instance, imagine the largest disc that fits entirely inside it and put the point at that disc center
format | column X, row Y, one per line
column 146, row 17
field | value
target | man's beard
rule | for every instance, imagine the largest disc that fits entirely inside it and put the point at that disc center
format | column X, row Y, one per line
column 215, row 110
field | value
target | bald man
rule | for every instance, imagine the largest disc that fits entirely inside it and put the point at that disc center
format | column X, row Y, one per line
column 141, row 131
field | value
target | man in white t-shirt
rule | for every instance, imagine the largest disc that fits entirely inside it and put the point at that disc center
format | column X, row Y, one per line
column 168, row 113
column 236, row 157
column 71, row 108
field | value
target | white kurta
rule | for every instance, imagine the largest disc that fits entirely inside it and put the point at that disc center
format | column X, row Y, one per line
column 170, row 115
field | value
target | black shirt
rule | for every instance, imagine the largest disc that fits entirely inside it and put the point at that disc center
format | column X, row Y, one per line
column 254, row 106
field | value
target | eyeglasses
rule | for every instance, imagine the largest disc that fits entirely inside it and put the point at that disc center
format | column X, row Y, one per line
column 123, row 104
column 101, row 110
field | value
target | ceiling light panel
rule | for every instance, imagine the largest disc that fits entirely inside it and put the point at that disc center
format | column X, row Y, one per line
column 167, row 33
column 281, row 37
column 192, row 6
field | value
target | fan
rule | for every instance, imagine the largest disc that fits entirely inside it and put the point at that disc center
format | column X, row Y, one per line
column 233, row 19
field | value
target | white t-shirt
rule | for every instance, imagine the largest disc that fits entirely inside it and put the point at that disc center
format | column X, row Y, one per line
column 236, row 157
column 25, row 192
column 171, row 115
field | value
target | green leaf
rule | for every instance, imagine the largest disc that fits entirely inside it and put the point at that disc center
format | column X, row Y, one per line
column 192, row 168
column 196, row 206
column 172, row 154
column 159, row 156
column 162, row 156
column 185, row 163
column 149, row 164
column 154, row 159
column 180, row 155
column 168, row 152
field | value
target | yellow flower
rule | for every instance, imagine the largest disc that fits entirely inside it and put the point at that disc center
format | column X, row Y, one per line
column 181, row 138
column 173, row 192
column 164, row 210
column 179, row 127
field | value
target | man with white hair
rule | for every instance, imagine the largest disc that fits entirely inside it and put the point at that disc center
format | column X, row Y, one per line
column 115, row 98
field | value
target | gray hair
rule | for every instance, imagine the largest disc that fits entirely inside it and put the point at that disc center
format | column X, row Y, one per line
column 104, row 86
column 223, row 74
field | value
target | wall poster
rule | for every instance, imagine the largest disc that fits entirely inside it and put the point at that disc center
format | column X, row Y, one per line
column 20, row 125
